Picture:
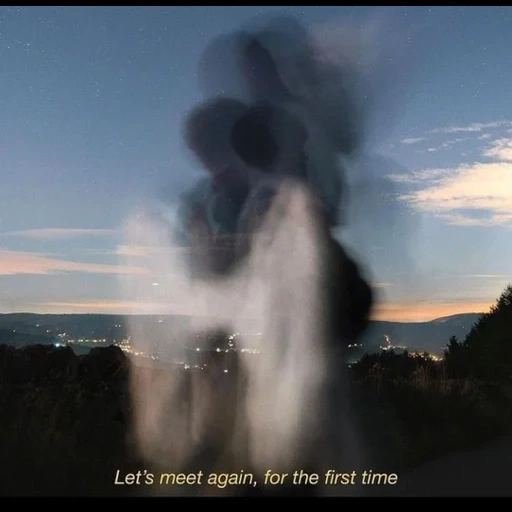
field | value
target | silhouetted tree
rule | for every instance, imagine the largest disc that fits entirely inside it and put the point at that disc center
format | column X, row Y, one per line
column 486, row 352
column 392, row 365
column 456, row 357
column 489, row 342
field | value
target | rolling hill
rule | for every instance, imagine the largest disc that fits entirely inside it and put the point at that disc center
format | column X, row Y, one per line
column 28, row 328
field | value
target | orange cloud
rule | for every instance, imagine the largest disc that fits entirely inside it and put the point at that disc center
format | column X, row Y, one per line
column 132, row 250
column 116, row 307
column 17, row 262
column 58, row 233
column 479, row 186
column 392, row 312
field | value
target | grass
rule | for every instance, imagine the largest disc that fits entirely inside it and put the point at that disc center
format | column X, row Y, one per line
column 437, row 414
column 66, row 431
column 62, row 436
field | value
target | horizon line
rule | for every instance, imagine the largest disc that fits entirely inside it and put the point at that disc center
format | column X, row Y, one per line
column 373, row 319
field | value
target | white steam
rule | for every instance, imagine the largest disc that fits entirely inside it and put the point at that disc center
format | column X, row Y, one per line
column 279, row 285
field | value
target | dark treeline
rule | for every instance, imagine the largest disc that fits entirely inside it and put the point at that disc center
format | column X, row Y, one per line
column 64, row 420
column 454, row 403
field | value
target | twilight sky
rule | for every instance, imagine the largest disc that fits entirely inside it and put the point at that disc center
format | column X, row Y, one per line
column 92, row 100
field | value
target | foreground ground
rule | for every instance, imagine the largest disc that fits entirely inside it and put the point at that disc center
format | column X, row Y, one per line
column 65, row 428
column 483, row 471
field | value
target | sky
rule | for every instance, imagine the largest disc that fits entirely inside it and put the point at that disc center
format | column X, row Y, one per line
column 92, row 100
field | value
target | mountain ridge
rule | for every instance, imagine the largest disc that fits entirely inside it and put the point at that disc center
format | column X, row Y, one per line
column 431, row 336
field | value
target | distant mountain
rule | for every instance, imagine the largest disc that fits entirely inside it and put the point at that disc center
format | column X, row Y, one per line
column 21, row 339
column 74, row 326
column 460, row 319
column 430, row 336
column 29, row 328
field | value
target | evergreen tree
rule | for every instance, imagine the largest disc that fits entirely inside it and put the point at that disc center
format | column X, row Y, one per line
column 486, row 352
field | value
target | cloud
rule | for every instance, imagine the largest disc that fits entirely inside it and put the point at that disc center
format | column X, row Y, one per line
column 58, row 233
column 413, row 140
column 500, row 149
column 419, row 176
column 488, row 276
column 501, row 277
column 393, row 312
column 452, row 142
column 382, row 285
column 118, row 307
column 474, row 127
column 466, row 220
column 17, row 262
column 446, row 145
column 470, row 195
column 142, row 251
column 472, row 130
column 132, row 250
column 102, row 306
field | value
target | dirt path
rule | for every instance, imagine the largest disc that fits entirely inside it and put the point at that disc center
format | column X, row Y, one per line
column 484, row 471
